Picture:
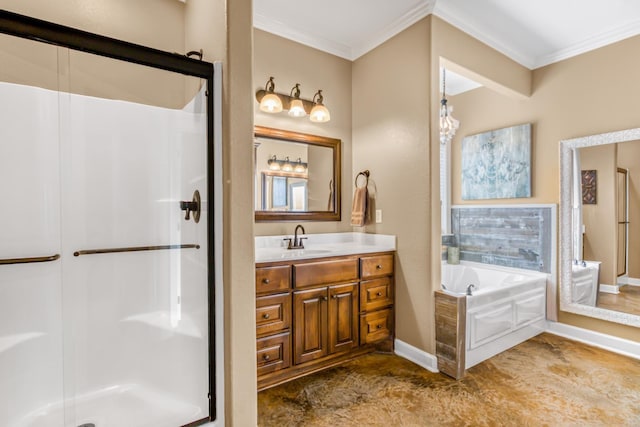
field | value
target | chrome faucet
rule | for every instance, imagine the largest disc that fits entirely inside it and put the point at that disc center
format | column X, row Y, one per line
column 297, row 241
column 469, row 288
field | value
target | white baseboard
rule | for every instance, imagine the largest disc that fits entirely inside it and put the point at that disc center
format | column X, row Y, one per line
column 596, row 339
column 610, row 289
column 417, row 356
column 628, row 281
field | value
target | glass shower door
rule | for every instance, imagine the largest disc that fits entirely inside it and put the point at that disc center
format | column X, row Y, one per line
column 135, row 274
column 30, row 268
column 104, row 257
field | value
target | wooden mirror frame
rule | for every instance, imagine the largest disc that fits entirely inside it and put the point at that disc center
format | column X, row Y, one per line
column 323, row 141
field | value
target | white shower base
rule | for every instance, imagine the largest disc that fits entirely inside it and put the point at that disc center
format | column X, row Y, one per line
column 117, row 406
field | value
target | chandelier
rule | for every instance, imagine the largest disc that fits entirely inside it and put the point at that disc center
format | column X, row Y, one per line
column 448, row 125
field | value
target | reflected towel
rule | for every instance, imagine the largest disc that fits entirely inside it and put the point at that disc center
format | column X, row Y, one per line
column 359, row 208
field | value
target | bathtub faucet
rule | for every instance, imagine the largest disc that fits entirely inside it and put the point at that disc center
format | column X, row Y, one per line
column 469, row 288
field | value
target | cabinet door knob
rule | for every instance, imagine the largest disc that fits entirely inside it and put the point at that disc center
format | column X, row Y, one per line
column 266, row 357
column 265, row 316
column 379, row 326
column 335, row 297
column 266, row 281
column 324, row 298
column 379, row 267
column 379, row 294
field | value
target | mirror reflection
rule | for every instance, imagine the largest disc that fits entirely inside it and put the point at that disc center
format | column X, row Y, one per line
column 297, row 176
column 600, row 214
column 607, row 192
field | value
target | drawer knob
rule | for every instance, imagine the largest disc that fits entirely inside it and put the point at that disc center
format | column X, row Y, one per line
column 265, row 316
column 379, row 267
column 379, row 326
column 379, row 294
column 266, row 281
column 266, row 357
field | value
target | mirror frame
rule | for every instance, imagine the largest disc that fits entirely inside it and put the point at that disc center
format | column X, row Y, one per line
column 567, row 148
column 322, row 141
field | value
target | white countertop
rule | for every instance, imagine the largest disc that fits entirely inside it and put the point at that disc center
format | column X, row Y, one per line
column 274, row 248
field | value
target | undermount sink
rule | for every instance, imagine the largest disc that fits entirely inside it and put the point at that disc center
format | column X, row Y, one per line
column 301, row 252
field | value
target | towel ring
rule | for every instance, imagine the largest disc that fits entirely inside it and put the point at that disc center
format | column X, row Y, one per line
column 364, row 173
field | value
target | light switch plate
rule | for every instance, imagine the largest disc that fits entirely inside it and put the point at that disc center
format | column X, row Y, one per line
column 378, row 216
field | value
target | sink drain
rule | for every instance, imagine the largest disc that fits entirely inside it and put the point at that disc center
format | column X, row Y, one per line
column 87, row 425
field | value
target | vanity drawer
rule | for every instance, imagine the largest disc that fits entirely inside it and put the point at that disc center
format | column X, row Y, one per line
column 273, row 353
column 376, row 266
column 273, row 279
column 376, row 326
column 321, row 272
column 273, row 314
column 375, row 294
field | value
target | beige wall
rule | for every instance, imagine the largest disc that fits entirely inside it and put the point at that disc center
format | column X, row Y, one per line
column 223, row 29
column 588, row 94
column 290, row 63
column 600, row 238
column 629, row 158
column 391, row 88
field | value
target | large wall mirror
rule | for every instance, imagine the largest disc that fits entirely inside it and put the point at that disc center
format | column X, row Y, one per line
column 600, row 217
column 297, row 176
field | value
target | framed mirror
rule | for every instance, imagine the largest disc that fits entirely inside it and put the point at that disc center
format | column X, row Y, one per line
column 600, row 215
column 297, row 176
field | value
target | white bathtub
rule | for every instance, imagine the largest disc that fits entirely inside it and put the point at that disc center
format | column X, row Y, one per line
column 507, row 306
column 585, row 277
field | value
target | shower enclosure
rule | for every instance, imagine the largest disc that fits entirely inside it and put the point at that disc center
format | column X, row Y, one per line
column 106, row 231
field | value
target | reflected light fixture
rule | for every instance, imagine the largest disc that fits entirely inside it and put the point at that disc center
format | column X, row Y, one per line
column 296, row 109
column 319, row 113
column 270, row 102
column 273, row 163
column 287, row 165
column 299, row 166
column 448, row 125
column 273, row 102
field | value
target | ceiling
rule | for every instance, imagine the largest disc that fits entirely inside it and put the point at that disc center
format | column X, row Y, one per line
column 532, row 33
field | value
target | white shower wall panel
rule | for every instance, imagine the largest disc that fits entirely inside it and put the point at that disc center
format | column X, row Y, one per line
column 29, row 168
column 86, row 173
column 140, row 317
column 30, row 294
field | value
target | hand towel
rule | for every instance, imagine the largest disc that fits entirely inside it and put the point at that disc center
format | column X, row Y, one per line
column 359, row 208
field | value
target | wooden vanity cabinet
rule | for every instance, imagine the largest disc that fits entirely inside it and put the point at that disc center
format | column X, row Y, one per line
column 316, row 313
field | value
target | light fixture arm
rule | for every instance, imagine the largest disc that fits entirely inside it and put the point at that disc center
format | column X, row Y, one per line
column 270, row 86
column 318, row 98
column 295, row 91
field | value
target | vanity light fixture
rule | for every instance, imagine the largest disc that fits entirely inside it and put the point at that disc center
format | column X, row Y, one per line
column 299, row 166
column 287, row 165
column 448, row 125
column 270, row 101
column 296, row 109
column 319, row 113
column 273, row 102
column 273, row 163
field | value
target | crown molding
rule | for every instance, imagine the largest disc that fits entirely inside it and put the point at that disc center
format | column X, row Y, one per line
column 333, row 47
column 444, row 11
column 402, row 23
column 342, row 50
column 592, row 43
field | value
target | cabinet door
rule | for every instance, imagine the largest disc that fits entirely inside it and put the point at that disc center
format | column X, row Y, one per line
column 309, row 325
column 343, row 317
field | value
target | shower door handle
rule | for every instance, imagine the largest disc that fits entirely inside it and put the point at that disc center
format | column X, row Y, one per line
column 29, row 260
